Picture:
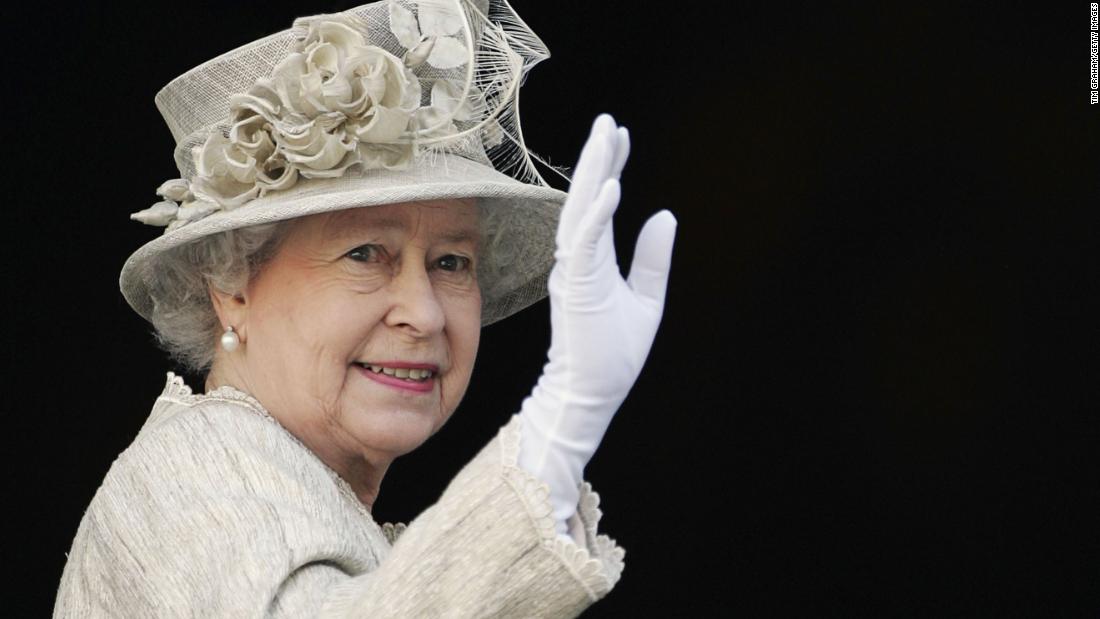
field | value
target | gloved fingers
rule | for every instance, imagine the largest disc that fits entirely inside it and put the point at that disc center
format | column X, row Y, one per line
column 595, row 235
column 649, row 269
column 605, row 243
column 592, row 168
column 622, row 151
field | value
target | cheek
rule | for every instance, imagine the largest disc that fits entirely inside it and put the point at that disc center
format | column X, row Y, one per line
column 341, row 321
column 317, row 327
column 463, row 352
column 464, row 331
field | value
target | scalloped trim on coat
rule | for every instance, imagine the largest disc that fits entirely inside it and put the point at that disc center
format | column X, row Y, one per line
column 598, row 566
column 178, row 391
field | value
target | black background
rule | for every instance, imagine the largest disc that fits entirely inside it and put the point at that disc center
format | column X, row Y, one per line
column 873, row 391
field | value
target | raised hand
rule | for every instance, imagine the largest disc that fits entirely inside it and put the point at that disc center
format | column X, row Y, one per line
column 602, row 325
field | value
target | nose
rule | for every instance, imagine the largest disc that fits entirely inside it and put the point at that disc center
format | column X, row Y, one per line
column 414, row 306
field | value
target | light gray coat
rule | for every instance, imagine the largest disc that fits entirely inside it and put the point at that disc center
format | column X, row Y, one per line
column 216, row 510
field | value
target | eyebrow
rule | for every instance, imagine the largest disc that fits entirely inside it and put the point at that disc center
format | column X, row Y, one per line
column 344, row 231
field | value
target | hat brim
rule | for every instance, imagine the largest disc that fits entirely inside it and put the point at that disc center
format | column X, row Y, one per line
column 529, row 214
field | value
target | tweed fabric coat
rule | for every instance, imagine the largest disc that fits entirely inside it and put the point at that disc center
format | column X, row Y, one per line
column 216, row 510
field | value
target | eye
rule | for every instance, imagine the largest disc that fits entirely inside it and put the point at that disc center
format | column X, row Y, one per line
column 451, row 262
column 365, row 253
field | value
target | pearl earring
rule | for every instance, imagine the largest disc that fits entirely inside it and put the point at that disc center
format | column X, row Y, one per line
column 230, row 341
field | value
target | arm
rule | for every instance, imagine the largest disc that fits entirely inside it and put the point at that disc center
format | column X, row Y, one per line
column 487, row 548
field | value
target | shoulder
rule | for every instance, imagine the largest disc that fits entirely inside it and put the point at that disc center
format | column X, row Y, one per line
column 205, row 454
column 208, row 446
column 210, row 449
column 218, row 506
column 217, row 439
column 222, row 463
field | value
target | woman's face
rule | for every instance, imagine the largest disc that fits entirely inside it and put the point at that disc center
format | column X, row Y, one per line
column 393, row 287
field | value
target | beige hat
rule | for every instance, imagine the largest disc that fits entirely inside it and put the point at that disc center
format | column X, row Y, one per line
column 389, row 102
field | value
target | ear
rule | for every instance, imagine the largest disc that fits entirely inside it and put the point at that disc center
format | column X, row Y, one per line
column 232, row 309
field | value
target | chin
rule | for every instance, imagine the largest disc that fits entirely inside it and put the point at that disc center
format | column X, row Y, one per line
column 393, row 431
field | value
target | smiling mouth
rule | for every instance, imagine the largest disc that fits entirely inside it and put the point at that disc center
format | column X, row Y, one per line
column 415, row 375
column 423, row 386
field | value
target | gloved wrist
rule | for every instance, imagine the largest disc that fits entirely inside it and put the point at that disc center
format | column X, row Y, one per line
column 556, row 447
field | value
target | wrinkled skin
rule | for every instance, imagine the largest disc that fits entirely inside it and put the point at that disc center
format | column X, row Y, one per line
column 374, row 284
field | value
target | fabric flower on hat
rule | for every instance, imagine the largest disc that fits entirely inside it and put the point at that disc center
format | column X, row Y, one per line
column 333, row 102
column 428, row 36
column 168, row 212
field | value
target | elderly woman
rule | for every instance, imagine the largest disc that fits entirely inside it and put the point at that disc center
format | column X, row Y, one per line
column 337, row 239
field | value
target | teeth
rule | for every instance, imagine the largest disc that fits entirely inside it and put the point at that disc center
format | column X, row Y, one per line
column 407, row 373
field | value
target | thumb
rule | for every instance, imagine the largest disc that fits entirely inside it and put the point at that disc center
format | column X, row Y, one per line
column 652, row 258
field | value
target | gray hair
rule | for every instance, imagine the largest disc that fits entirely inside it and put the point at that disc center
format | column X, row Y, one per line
column 183, row 315
column 187, row 327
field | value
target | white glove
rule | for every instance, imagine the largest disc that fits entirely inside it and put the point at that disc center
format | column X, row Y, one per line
column 602, row 326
